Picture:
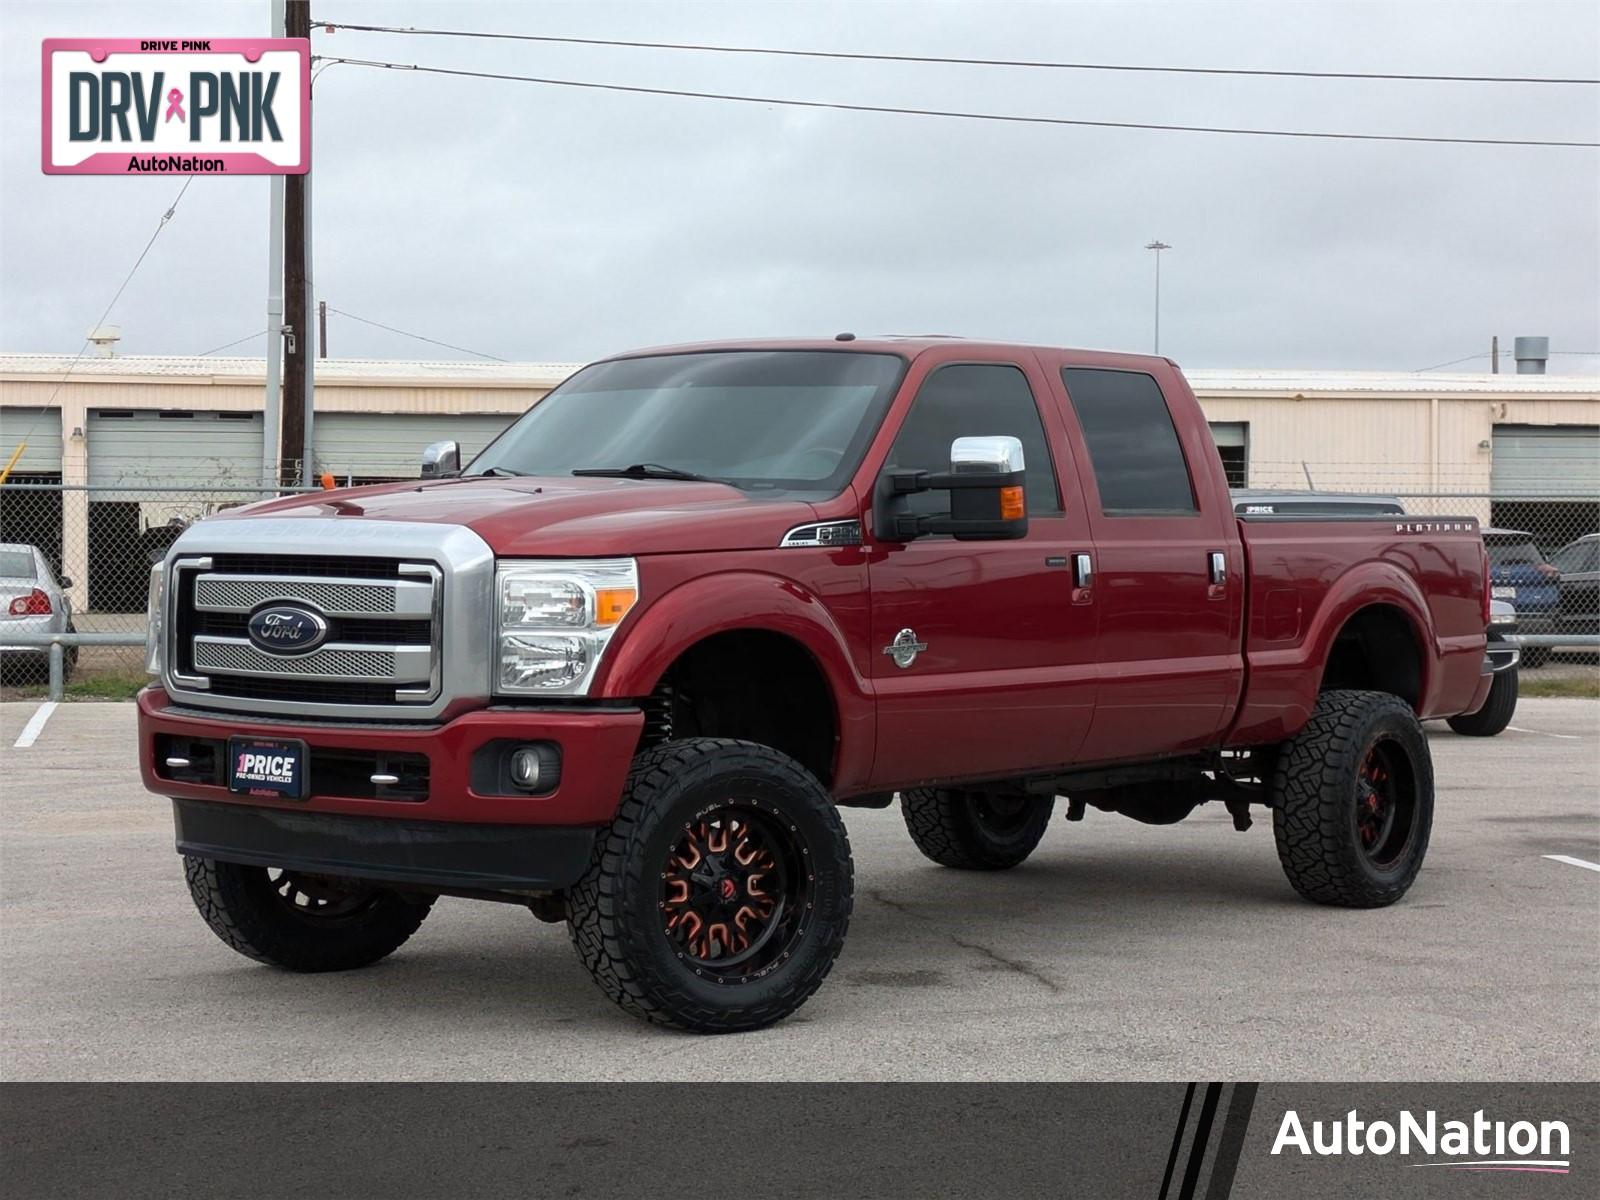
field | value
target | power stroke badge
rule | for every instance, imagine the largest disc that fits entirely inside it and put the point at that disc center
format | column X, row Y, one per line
column 141, row 106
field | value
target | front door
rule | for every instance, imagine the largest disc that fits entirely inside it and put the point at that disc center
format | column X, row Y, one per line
column 983, row 658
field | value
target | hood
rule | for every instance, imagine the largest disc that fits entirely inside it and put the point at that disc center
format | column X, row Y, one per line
column 563, row 517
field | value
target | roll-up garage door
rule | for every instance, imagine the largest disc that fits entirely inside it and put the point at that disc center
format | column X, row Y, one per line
column 38, row 431
column 372, row 446
column 172, row 450
column 1546, row 460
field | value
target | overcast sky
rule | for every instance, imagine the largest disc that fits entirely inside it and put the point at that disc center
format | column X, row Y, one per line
column 540, row 223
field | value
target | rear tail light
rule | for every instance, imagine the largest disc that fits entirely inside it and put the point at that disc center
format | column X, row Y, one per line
column 1486, row 591
column 34, row 604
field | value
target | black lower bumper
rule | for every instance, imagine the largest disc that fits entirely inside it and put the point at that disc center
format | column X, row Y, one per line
column 426, row 853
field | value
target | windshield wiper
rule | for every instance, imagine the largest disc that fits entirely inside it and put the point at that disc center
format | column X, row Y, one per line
column 488, row 471
column 649, row 471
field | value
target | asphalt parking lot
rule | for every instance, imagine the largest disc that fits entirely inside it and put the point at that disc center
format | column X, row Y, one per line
column 1119, row 951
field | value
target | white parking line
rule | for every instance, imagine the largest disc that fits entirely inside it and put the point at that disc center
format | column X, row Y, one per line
column 1571, row 737
column 35, row 726
column 1573, row 862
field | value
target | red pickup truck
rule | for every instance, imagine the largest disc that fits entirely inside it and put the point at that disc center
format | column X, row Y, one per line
column 627, row 666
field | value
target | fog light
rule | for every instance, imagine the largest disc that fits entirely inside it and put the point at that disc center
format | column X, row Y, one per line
column 535, row 767
column 525, row 768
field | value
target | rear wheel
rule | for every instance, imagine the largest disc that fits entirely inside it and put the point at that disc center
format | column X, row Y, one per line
column 300, row 921
column 1496, row 712
column 1353, row 800
column 975, row 830
column 718, row 899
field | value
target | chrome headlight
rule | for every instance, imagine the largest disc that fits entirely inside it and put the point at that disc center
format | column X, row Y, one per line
column 153, row 619
column 553, row 619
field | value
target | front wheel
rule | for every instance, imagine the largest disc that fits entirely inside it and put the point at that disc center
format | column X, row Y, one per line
column 975, row 830
column 718, row 898
column 1353, row 800
column 299, row 921
column 1496, row 712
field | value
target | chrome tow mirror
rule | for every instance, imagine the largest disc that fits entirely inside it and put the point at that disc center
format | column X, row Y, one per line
column 441, row 460
column 987, row 497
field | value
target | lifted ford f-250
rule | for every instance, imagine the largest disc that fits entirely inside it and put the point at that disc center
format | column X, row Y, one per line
column 625, row 668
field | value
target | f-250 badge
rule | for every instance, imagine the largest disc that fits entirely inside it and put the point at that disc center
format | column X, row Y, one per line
column 905, row 648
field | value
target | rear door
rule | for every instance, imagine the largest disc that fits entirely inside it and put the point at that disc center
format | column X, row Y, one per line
column 1169, row 565
column 996, row 670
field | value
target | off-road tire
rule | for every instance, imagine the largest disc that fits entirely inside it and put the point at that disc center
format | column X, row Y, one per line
column 243, row 909
column 1315, row 791
column 1496, row 712
column 615, row 911
column 951, row 827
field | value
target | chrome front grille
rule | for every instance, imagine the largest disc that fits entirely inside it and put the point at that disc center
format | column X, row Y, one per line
column 384, row 642
column 335, row 662
column 334, row 598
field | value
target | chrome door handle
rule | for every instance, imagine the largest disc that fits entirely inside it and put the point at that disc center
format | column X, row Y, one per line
column 1082, row 570
column 1219, row 568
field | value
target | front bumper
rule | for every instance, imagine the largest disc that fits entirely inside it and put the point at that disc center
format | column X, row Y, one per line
column 597, row 747
column 441, row 854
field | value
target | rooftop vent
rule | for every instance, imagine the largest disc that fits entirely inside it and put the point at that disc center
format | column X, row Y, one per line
column 104, row 339
column 1531, row 354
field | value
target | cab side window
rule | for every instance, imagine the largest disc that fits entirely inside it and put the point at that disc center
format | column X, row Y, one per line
column 1133, row 445
column 975, row 400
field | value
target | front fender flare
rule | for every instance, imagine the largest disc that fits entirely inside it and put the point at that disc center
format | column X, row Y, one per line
column 688, row 614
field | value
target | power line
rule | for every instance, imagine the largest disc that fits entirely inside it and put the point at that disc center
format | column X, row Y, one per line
column 249, row 337
column 1451, row 363
column 848, row 56
column 417, row 336
column 949, row 113
column 1506, row 354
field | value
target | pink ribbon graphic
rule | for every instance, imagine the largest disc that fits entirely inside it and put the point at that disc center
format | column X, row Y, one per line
column 175, row 106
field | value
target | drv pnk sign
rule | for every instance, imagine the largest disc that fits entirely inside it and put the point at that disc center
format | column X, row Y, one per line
column 152, row 106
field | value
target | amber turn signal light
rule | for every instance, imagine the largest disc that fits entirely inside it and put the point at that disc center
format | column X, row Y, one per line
column 612, row 604
column 1012, row 506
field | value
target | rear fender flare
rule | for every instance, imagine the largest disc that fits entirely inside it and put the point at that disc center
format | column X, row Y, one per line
column 1363, row 586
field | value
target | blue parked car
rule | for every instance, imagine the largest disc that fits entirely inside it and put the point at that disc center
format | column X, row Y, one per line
column 1519, row 574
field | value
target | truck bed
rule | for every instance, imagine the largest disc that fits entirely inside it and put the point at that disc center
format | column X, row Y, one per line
column 1307, row 575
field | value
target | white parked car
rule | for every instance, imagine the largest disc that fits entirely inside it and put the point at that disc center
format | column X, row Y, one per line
column 32, row 601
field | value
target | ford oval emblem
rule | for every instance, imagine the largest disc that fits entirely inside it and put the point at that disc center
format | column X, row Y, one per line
column 285, row 629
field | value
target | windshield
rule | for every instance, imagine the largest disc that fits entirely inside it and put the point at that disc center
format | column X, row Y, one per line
column 791, row 419
column 16, row 564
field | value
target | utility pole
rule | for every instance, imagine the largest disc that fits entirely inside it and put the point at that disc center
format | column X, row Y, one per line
column 1494, row 355
column 293, row 456
column 1158, row 246
column 322, row 329
column 274, row 398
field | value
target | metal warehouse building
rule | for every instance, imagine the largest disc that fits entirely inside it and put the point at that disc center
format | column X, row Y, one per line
column 1491, row 444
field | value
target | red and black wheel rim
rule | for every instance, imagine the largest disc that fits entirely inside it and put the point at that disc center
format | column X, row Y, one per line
column 736, row 892
column 1385, row 805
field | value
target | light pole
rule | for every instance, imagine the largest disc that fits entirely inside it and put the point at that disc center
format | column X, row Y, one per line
column 1158, row 246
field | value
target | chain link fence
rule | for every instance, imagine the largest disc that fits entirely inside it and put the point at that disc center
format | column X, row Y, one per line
column 99, row 543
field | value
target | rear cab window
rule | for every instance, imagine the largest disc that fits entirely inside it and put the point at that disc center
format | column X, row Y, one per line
column 1138, row 462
